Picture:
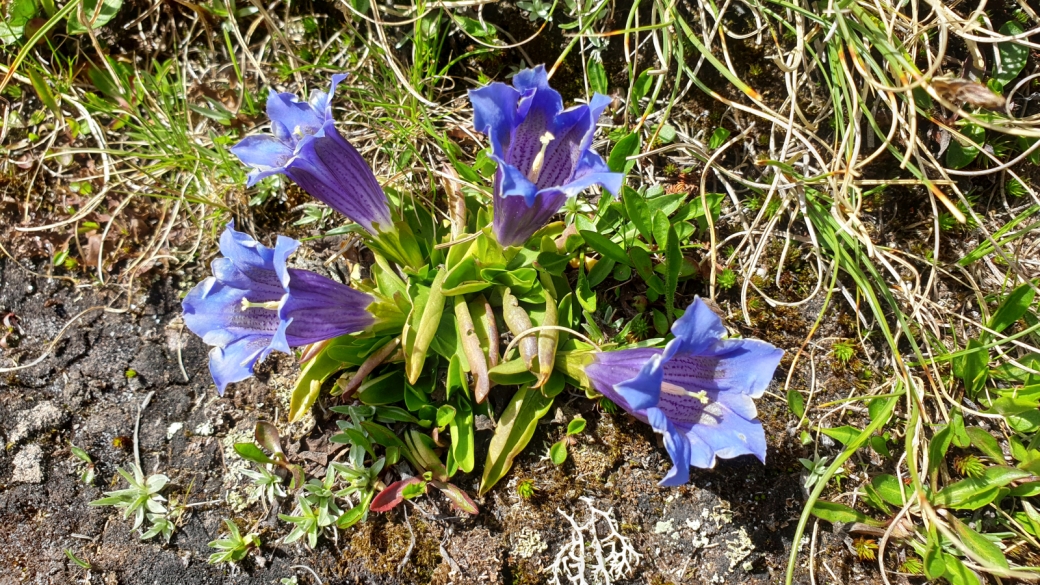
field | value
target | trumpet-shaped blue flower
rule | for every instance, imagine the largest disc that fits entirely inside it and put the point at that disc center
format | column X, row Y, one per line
column 254, row 304
column 306, row 147
column 544, row 152
column 698, row 391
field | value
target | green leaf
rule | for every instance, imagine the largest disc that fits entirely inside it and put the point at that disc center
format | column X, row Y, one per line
column 638, row 213
column 718, row 138
column 575, row 426
column 978, row 543
column 1013, row 56
column 601, row 271
column 94, row 17
column 626, row 147
column 515, row 428
column 13, row 17
column 843, row 434
column 558, row 452
column 960, row 436
column 597, row 76
column 586, row 297
column 381, row 434
column 836, row 513
column 673, row 261
column 422, row 326
column 266, row 434
column 605, row 246
column 983, row 441
column 462, row 440
column 1014, row 306
column 641, row 87
column 385, row 389
column 251, row 452
column 660, row 322
column 887, row 488
column 972, row 368
column 796, row 402
column 960, row 155
column 974, row 493
column 934, row 564
column 445, row 415
column 956, row 573
column 937, row 448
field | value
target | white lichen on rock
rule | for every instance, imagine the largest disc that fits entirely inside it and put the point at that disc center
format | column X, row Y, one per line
column 28, row 465
column 591, row 558
column 527, row 543
column 238, row 496
column 739, row 549
column 44, row 416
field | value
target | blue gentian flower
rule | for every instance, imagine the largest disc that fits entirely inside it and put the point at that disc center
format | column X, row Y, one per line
column 544, row 152
column 306, row 147
column 254, row 304
column 698, row 391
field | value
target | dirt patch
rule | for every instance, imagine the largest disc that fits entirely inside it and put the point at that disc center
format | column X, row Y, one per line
column 732, row 524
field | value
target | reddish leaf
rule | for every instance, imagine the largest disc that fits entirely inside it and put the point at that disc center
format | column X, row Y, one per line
column 457, row 497
column 391, row 496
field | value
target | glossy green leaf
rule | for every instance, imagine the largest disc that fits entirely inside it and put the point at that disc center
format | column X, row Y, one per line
column 1013, row 308
column 982, row 546
column 626, row 147
column 974, row 493
column 462, row 439
column 385, row 389
column 887, row 488
column 597, row 76
column 576, row 426
column 960, row 155
column 983, row 441
column 843, row 434
column 638, row 213
column 515, row 428
column 601, row 271
column 1013, row 56
column 841, row 514
column 94, row 16
column 381, row 434
column 558, row 452
column 251, row 452
column 605, row 246
column 796, row 402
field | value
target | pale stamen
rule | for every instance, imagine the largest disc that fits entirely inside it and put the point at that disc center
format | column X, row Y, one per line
column 269, row 305
column 539, row 159
column 676, row 390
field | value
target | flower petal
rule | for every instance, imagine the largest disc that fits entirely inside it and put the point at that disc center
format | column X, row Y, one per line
column 744, row 366
column 494, row 114
column 678, row 446
column 262, row 151
column 297, row 116
column 644, row 390
column 730, row 435
column 319, row 308
column 331, row 170
column 698, row 328
column 543, row 107
column 235, row 362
